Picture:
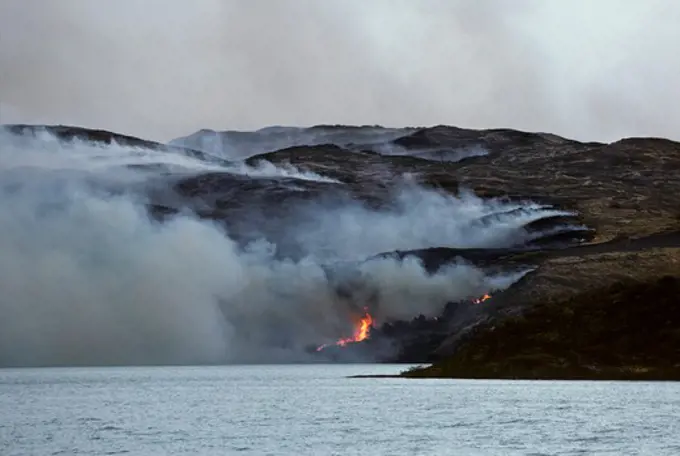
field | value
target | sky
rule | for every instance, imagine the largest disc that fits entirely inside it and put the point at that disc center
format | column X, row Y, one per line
column 166, row 68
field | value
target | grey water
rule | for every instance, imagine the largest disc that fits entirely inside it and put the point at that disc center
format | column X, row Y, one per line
column 318, row 410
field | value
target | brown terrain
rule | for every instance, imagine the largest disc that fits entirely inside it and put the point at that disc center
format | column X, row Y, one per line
column 614, row 301
column 602, row 305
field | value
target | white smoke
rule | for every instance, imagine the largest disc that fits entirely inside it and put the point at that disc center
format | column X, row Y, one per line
column 244, row 144
column 42, row 150
column 163, row 68
column 88, row 278
column 240, row 145
column 420, row 218
column 433, row 153
column 264, row 168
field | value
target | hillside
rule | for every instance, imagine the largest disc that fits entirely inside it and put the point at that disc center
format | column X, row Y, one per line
column 595, row 226
column 629, row 330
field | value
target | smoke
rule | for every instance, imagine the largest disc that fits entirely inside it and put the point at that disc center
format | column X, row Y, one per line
column 163, row 68
column 267, row 169
column 241, row 145
column 88, row 278
column 418, row 219
column 435, row 154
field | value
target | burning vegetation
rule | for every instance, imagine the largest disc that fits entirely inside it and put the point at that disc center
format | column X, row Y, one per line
column 364, row 324
column 486, row 297
column 362, row 331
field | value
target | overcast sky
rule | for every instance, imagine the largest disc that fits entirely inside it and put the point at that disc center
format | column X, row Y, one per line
column 588, row 69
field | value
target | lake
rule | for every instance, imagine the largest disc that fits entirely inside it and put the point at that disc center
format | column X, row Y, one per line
column 317, row 410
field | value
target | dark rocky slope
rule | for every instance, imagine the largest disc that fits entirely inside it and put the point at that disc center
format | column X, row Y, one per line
column 626, row 194
column 629, row 330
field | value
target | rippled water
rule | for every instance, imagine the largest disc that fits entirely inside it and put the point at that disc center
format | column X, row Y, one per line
column 316, row 410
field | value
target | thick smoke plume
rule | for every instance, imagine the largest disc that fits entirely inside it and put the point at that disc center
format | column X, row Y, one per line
column 88, row 278
column 164, row 68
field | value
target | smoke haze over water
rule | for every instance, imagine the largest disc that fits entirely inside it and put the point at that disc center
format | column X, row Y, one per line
column 164, row 68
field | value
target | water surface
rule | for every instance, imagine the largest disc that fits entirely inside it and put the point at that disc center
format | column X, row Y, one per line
column 317, row 410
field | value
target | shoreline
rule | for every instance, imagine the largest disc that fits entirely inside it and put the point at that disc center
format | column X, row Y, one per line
column 525, row 378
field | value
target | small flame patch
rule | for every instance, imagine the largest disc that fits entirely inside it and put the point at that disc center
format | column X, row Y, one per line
column 486, row 297
column 361, row 332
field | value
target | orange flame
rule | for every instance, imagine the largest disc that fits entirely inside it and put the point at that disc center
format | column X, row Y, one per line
column 361, row 332
column 486, row 297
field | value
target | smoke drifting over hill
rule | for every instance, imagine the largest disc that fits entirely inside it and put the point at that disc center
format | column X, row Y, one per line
column 88, row 277
column 164, row 68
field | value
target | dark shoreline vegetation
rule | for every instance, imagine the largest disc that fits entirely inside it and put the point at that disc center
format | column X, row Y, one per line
column 601, row 304
column 629, row 330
